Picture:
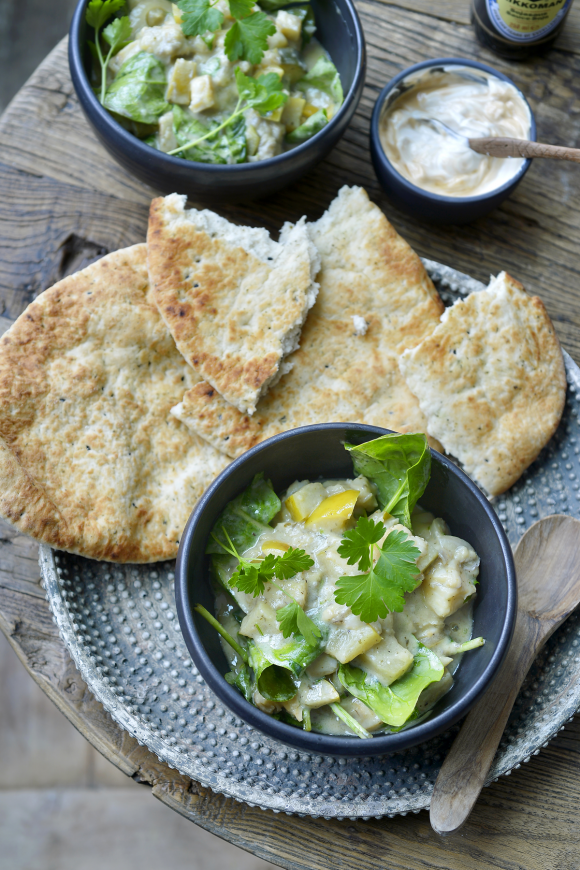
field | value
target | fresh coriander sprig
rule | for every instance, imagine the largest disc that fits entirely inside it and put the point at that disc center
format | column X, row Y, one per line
column 246, row 39
column 293, row 620
column 199, row 16
column 264, row 94
column 251, row 577
column 381, row 588
column 117, row 34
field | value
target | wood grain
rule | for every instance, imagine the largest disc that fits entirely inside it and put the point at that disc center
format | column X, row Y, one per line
column 550, row 548
column 63, row 202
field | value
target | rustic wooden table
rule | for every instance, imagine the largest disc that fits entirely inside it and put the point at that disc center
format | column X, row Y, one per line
column 64, row 202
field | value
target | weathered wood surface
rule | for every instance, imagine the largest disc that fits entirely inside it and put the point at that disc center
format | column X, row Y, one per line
column 63, row 202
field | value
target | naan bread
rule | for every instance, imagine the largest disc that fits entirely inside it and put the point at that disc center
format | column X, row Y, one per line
column 233, row 299
column 375, row 300
column 90, row 459
column 491, row 381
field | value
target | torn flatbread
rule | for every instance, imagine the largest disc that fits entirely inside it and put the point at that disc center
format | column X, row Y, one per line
column 91, row 461
column 341, row 372
column 491, row 382
column 234, row 300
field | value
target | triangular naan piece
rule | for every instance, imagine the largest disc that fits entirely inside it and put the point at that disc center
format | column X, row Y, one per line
column 491, row 381
column 375, row 300
column 91, row 461
column 234, row 300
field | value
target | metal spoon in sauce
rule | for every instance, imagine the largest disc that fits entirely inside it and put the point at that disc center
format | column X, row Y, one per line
column 498, row 146
column 548, row 572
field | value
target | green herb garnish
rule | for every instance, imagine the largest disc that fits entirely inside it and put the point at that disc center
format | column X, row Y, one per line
column 199, row 16
column 138, row 90
column 251, row 577
column 381, row 588
column 399, row 466
column 117, row 34
column 293, row 620
column 247, row 39
column 264, row 94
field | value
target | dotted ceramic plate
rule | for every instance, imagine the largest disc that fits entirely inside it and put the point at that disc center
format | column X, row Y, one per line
column 120, row 626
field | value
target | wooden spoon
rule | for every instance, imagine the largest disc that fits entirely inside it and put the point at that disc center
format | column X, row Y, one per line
column 548, row 571
column 497, row 146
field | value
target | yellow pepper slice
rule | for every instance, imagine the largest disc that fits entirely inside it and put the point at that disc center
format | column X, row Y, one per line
column 334, row 511
column 309, row 110
column 275, row 547
column 305, row 500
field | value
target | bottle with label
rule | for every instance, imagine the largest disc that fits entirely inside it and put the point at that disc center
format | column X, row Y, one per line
column 517, row 28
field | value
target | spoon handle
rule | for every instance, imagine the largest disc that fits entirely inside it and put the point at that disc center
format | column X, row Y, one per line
column 464, row 771
column 498, row 147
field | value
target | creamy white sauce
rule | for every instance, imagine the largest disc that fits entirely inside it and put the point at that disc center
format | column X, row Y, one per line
column 438, row 162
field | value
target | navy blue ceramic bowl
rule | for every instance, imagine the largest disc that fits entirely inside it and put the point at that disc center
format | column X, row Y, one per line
column 423, row 204
column 317, row 451
column 338, row 29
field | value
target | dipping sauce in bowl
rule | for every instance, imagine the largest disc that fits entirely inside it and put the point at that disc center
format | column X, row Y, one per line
column 474, row 104
column 431, row 172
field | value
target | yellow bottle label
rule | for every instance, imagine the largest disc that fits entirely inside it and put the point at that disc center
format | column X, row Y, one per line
column 527, row 20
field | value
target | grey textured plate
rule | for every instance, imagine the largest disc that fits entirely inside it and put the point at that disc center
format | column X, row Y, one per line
column 119, row 624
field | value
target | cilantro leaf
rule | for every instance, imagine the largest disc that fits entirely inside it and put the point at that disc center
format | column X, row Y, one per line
column 251, row 577
column 371, row 596
column 293, row 620
column 199, row 16
column 247, row 39
column 247, row 578
column 264, row 94
column 291, row 563
column 241, row 8
column 118, row 33
column 356, row 544
column 98, row 11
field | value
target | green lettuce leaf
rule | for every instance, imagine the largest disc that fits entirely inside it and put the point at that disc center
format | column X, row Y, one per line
column 309, row 128
column 273, row 681
column 399, row 466
column 272, row 5
column 241, row 678
column 324, row 76
column 228, row 147
column 294, row 656
column 138, row 90
column 264, row 94
column 246, row 516
column 394, row 704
